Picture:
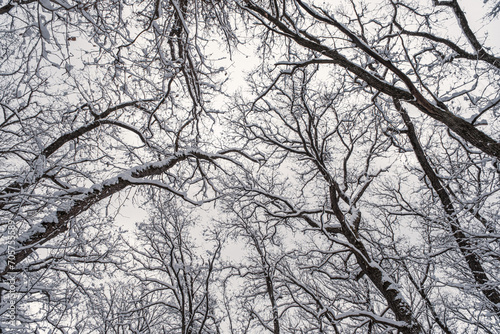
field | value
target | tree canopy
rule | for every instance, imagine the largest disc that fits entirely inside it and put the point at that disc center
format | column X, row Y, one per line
column 302, row 166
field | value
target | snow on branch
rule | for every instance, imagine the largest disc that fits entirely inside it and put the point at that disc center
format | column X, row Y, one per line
column 84, row 198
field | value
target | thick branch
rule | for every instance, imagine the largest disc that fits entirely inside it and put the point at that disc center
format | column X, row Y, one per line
column 465, row 245
column 378, row 276
column 6, row 8
column 458, row 125
column 460, row 53
column 57, row 223
column 99, row 119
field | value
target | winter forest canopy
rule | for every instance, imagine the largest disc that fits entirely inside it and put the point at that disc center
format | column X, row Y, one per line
column 297, row 166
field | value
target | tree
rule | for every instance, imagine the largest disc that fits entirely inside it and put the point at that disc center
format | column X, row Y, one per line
column 78, row 130
column 388, row 34
column 367, row 133
column 303, row 126
column 385, row 63
column 176, row 281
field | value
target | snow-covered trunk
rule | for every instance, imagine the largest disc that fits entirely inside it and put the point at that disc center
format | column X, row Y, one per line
column 377, row 275
column 464, row 243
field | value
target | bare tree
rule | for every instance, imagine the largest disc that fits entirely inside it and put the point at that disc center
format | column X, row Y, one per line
column 177, row 279
column 99, row 98
column 376, row 54
column 342, row 147
column 358, row 165
column 378, row 66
